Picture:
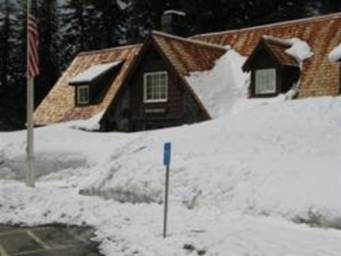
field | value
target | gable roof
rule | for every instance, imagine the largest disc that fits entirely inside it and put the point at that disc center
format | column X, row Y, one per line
column 319, row 76
column 276, row 48
column 182, row 55
column 188, row 55
column 59, row 104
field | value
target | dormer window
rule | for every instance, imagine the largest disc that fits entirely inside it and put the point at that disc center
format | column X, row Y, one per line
column 155, row 87
column 83, row 95
column 91, row 84
column 273, row 71
column 265, row 81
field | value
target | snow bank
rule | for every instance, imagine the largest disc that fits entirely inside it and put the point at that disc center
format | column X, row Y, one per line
column 57, row 148
column 239, row 182
column 135, row 229
column 91, row 124
column 335, row 54
column 253, row 154
column 267, row 158
column 220, row 87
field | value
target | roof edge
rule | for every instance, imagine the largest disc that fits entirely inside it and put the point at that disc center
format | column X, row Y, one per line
column 109, row 49
column 276, row 40
column 270, row 25
column 188, row 40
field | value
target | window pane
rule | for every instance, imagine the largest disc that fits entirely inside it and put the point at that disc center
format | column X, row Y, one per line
column 83, row 95
column 156, row 86
column 265, row 81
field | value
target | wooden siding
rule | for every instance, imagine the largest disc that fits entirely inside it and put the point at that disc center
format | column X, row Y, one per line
column 180, row 107
column 285, row 75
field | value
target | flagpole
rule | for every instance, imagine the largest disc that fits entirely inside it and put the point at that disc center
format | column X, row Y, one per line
column 30, row 108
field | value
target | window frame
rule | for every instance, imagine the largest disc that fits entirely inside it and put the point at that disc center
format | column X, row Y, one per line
column 268, row 92
column 145, row 75
column 79, row 101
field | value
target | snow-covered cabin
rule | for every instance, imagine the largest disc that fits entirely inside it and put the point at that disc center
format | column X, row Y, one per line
column 148, row 86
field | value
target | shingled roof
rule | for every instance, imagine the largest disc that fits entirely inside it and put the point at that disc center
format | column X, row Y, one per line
column 318, row 76
column 59, row 105
column 188, row 55
column 277, row 48
column 184, row 55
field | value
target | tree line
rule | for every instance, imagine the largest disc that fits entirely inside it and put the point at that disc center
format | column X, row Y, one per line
column 67, row 27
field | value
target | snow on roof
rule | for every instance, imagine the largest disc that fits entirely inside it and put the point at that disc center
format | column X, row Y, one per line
column 93, row 72
column 335, row 54
column 299, row 49
column 175, row 12
column 219, row 88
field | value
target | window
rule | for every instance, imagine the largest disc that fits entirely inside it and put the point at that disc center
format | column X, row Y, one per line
column 155, row 87
column 265, row 81
column 83, row 95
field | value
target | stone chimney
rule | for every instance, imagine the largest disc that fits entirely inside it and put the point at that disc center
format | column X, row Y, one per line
column 173, row 22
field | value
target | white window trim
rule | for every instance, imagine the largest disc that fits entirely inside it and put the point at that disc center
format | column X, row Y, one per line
column 275, row 83
column 79, row 101
column 145, row 100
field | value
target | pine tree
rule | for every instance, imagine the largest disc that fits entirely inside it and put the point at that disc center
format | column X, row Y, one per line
column 48, row 48
column 12, row 90
column 110, row 22
column 144, row 16
column 79, row 28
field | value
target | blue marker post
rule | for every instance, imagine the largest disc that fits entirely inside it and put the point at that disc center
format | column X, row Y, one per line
column 166, row 162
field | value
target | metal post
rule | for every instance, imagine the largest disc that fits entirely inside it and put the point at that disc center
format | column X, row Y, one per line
column 29, row 123
column 166, row 203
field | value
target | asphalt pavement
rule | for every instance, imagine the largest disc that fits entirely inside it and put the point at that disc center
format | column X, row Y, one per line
column 52, row 240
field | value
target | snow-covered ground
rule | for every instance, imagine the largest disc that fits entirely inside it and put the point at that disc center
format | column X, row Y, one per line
column 262, row 180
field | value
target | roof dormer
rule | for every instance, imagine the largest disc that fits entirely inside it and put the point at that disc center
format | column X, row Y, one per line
column 92, row 83
column 273, row 71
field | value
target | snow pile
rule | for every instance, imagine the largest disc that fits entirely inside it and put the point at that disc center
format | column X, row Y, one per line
column 220, row 87
column 239, row 182
column 91, row 124
column 299, row 49
column 57, row 148
column 335, row 54
column 242, row 161
column 135, row 229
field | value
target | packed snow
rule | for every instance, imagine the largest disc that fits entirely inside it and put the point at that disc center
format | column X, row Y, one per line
column 335, row 54
column 299, row 49
column 220, row 87
column 91, row 124
column 93, row 72
column 263, row 179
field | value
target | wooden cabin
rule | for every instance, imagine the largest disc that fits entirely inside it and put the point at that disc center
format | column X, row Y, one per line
column 145, row 86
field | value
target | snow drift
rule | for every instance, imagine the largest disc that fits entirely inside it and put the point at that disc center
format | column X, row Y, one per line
column 265, row 161
column 220, row 87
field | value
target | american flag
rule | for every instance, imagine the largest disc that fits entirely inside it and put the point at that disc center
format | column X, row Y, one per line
column 33, row 42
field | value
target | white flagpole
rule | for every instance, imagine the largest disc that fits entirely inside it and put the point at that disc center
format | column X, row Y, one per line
column 30, row 108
